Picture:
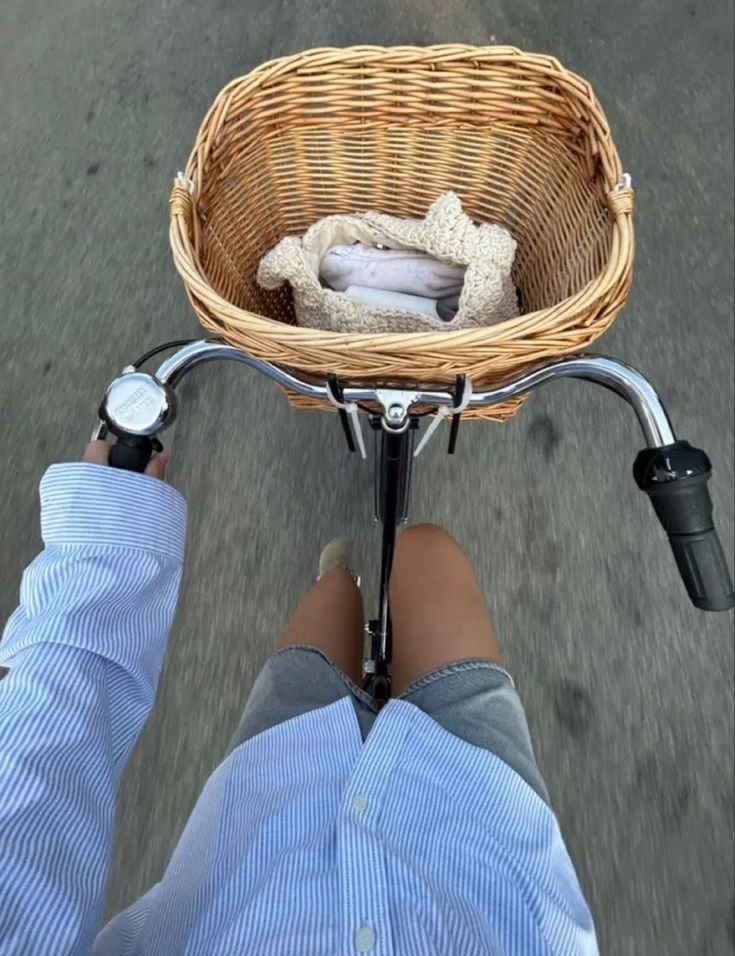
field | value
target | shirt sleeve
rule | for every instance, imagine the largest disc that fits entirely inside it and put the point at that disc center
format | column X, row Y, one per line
column 84, row 651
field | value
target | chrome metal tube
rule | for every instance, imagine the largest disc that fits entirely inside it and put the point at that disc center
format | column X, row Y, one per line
column 176, row 366
column 610, row 373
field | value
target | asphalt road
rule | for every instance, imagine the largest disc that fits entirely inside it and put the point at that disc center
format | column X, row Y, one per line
column 629, row 691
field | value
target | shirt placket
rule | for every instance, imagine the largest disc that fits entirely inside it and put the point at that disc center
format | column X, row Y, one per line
column 362, row 860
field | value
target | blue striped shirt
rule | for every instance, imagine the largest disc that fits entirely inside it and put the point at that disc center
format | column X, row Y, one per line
column 304, row 841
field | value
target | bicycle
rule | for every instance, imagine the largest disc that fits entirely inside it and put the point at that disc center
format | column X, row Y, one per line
column 138, row 405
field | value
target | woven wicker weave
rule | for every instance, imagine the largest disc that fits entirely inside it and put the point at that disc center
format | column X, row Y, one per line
column 522, row 141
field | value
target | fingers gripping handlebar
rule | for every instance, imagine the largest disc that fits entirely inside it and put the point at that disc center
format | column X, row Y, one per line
column 130, row 453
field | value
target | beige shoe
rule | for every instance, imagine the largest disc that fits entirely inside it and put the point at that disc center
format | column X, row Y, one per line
column 337, row 554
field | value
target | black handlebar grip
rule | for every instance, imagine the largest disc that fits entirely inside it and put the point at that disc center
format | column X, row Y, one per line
column 675, row 479
column 131, row 453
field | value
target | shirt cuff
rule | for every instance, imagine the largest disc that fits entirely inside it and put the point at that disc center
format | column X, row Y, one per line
column 86, row 504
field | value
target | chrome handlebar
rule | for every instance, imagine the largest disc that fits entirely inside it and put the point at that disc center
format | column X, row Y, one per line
column 140, row 404
column 673, row 474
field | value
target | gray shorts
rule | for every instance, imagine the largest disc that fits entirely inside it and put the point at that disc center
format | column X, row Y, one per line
column 475, row 700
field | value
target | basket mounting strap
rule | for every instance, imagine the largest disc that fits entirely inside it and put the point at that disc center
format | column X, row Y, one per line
column 621, row 197
column 348, row 415
column 462, row 398
column 180, row 201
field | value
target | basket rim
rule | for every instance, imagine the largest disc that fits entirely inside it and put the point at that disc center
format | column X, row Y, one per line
column 321, row 57
column 529, row 326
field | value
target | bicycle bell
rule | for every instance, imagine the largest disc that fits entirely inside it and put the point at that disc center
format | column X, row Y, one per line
column 136, row 403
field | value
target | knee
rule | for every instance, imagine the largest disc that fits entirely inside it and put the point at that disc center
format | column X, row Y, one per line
column 420, row 538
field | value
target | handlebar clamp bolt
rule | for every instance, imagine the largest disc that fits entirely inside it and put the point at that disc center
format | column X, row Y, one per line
column 395, row 414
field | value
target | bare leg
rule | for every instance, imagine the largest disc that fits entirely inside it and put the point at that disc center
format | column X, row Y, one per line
column 437, row 610
column 330, row 617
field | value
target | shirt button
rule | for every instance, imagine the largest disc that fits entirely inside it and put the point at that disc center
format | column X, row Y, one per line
column 364, row 938
column 359, row 802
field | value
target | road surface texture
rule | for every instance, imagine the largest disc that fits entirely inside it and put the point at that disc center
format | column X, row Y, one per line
column 629, row 691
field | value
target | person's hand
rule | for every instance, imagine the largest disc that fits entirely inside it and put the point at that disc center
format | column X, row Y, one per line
column 98, row 453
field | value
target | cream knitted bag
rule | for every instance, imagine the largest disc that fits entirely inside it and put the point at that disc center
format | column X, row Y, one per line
column 488, row 295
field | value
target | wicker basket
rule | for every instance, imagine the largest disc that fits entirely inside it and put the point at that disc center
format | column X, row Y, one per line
column 522, row 141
